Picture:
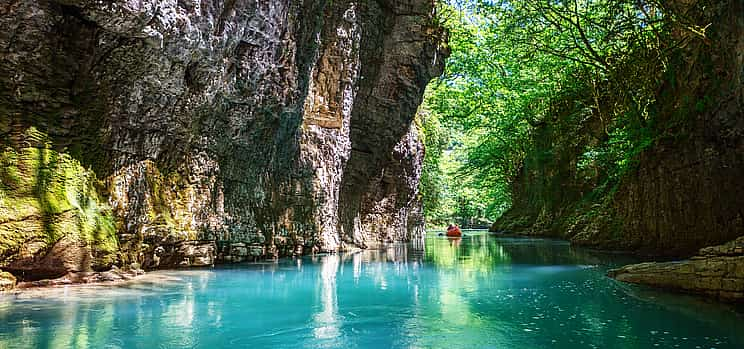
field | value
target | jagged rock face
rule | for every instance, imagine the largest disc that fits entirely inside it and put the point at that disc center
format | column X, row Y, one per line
column 388, row 210
column 211, row 131
column 716, row 271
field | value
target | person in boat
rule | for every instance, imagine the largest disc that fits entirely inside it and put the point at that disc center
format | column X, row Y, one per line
column 454, row 231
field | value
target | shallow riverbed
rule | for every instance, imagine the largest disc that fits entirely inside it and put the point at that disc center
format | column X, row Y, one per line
column 478, row 292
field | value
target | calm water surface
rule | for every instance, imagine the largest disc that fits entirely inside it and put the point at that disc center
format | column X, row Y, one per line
column 480, row 292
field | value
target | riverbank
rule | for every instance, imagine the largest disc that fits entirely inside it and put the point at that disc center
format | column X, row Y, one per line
column 114, row 276
column 483, row 292
column 716, row 272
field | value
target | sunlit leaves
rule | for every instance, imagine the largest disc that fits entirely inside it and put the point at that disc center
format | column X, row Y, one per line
column 517, row 65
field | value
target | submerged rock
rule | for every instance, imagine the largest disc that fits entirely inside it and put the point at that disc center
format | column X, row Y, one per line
column 716, row 271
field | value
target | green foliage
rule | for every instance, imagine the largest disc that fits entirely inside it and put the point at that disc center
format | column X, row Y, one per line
column 432, row 178
column 46, row 194
column 580, row 67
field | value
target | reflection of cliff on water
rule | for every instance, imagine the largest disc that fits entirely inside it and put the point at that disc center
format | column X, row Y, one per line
column 482, row 252
column 478, row 291
column 472, row 253
column 431, row 284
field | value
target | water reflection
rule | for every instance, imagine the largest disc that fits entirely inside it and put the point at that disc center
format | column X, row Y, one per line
column 473, row 253
column 475, row 292
column 326, row 322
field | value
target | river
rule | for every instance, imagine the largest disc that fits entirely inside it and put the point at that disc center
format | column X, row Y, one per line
column 478, row 292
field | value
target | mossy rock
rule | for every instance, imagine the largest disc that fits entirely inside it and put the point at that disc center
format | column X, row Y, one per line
column 7, row 281
column 47, row 195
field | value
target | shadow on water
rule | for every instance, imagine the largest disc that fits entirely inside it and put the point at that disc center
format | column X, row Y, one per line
column 478, row 291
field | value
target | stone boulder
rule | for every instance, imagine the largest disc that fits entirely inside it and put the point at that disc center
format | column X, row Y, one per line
column 68, row 255
column 7, row 281
column 716, row 272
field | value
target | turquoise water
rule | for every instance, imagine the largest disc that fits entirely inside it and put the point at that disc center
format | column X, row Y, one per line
column 480, row 292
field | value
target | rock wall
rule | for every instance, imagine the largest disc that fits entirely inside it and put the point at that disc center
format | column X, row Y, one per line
column 184, row 133
column 717, row 272
column 550, row 186
column 686, row 191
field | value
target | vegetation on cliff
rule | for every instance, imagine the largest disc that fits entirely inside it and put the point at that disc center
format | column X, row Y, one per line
column 545, row 107
column 50, row 202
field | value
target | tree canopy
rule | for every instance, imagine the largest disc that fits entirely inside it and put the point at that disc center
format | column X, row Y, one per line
column 518, row 65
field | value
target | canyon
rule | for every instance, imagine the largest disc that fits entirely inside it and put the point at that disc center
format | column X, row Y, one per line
column 160, row 134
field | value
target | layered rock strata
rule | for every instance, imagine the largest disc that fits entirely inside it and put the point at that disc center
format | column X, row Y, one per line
column 716, row 271
column 188, row 133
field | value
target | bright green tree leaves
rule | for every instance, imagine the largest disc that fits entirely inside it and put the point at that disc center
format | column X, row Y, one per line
column 519, row 65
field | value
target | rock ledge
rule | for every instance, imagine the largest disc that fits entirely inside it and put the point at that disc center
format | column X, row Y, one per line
column 716, row 271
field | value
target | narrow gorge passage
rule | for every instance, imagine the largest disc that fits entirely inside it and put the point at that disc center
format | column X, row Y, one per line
column 616, row 125
column 371, row 173
column 479, row 292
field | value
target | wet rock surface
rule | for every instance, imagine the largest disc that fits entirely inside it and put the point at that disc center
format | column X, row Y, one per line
column 208, row 132
column 716, row 271
column 7, row 281
column 113, row 275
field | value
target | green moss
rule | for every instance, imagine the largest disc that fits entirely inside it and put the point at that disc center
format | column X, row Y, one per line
column 46, row 194
column 169, row 202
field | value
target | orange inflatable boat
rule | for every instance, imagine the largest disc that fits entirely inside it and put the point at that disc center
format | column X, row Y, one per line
column 454, row 232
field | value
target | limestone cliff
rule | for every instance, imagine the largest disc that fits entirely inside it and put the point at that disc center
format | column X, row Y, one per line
column 179, row 133
column 716, row 271
column 685, row 191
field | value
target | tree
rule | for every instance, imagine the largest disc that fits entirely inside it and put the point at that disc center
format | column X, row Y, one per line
column 517, row 65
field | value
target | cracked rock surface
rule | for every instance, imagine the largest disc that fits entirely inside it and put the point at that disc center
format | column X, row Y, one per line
column 187, row 133
column 716, row 271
